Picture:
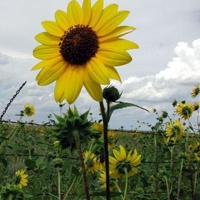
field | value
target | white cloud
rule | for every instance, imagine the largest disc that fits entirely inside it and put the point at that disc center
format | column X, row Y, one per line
column 185, row 66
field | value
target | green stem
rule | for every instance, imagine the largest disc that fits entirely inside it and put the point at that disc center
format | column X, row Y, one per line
column 126, row 184
column 70, row 188
column 171, row 168
column 59, row 178
column 156, row 161
column 78, row 145
column 179, row 180
column 167, row 185
column 195, row 179
column 117, row 186
column 105, row 126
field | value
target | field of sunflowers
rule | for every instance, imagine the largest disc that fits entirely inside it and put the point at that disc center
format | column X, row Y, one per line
column 47, row 161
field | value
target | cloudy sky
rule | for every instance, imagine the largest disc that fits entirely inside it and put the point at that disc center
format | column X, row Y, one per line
column 165, row 67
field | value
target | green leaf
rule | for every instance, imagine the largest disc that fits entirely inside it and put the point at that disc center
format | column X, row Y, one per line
column 31, row 164
column 121, row 105
column 59, row 118
column 4, row 162
column 75, row 171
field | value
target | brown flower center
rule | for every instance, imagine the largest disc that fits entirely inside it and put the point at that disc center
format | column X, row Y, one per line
column 78, row 44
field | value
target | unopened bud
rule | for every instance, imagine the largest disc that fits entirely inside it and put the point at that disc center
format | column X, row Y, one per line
column 111, row 94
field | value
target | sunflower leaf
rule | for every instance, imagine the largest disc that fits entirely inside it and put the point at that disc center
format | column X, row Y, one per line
column 121, row 105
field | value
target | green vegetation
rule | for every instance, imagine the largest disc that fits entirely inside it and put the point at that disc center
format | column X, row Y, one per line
column 59, row 159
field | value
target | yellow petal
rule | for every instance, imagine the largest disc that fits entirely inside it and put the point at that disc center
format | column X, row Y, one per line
column 74, row 13
column 129, row 156
column 73, row 82
column 114, row 58
column 47, row 39
column 49, row 74
column 93, row 88
column 59, row 89
column 137, row 161
column 61, row 19
column 122, row 151
column 52, row 28
column 46, row 52
column 112, row 160
column 112, row 73
column 119, row 43
column 112, row 23
column 96, row 12
column 97, row 71
column 117, row 155
column 117, row 32
column 133, row 171
column 46, row 63
column 106, row 15
column 134, row 156
column 86, row 11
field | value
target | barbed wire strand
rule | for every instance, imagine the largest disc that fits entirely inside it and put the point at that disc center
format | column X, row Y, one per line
column 11, row 100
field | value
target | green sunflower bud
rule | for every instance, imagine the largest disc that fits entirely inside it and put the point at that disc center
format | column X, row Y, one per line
column 111, row 94
column 164, row 114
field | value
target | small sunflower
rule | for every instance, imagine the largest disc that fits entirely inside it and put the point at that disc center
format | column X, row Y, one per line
column 102, row 181
column 195, row 91
column 184, row 109
column 123, row 162
column 196, row 106
column 29, row 110
column 197, row 156
column 91, row 162
column 21, row 178
column 98, row 127
column 197, row 147
column 174, row 130
column 81, row 48
column 190, row 148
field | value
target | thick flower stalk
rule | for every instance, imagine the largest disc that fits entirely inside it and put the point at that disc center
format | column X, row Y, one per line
column 82, row 47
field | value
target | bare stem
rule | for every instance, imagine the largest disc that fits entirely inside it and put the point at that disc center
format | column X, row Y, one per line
column 105, row 125
column 78, row 145
column 59, row 192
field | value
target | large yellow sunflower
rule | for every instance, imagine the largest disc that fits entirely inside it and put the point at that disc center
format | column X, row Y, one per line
column 81, row 48
column 21, row 178
column 122, row 162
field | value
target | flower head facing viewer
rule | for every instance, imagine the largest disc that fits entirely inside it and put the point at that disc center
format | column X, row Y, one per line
column 29, row 110
column 21, row 178
column 82, row 48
